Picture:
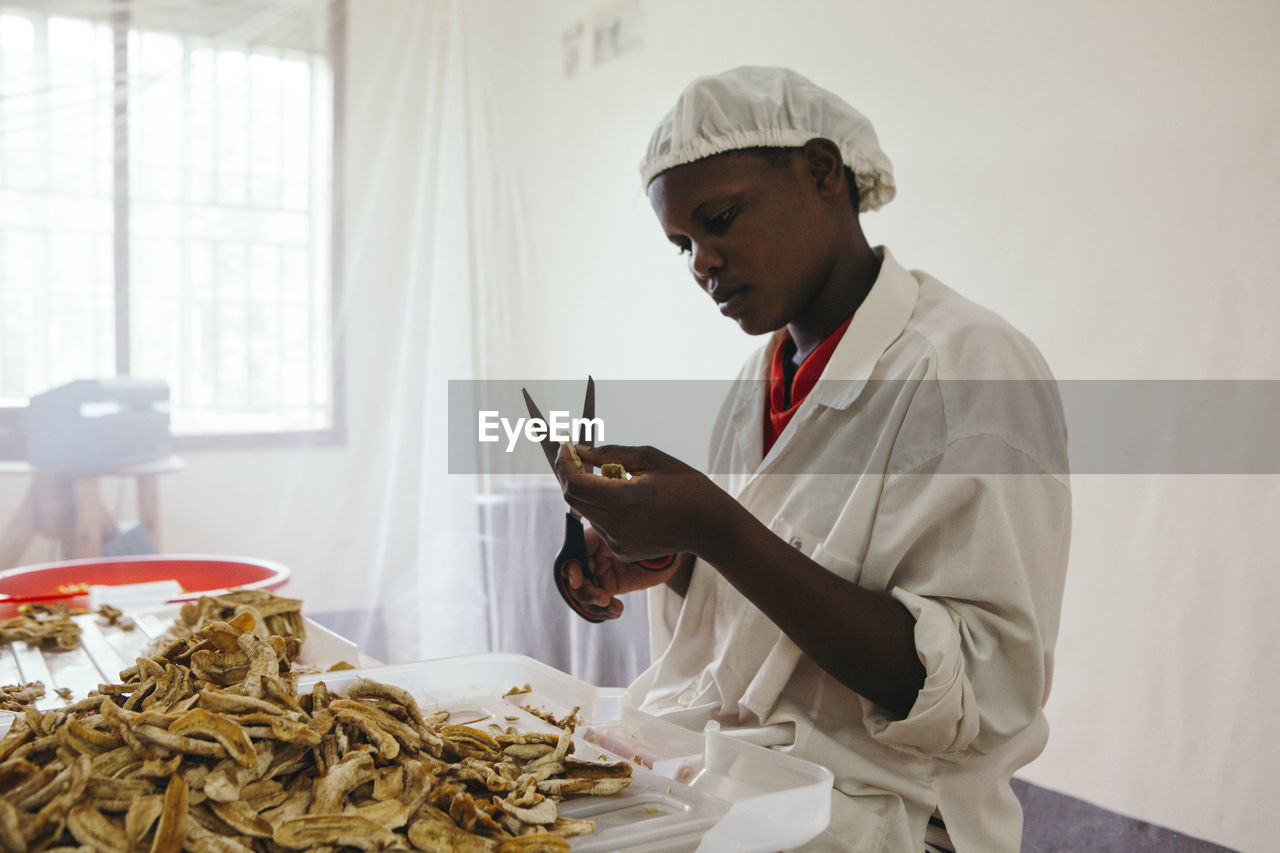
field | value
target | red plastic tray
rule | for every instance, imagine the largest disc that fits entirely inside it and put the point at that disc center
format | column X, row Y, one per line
column 198, row 575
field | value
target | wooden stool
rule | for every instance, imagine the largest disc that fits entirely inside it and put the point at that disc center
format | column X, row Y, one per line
column 66, row 506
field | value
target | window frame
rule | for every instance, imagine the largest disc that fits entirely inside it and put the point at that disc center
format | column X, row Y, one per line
column 335, row 434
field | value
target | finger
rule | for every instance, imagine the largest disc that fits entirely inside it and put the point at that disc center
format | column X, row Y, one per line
column 611, row 608
column 631, row 458
column 592, row 512
column 573, row 575
column 600, row 613
column 593, row 595
column 599, row 493
column 593, row 541
column 571, row 480
column 566, row 464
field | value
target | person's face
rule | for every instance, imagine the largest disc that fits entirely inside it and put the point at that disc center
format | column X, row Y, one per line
column 758, row 236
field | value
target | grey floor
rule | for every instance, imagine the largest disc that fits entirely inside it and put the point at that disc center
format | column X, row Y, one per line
column 1056, row 823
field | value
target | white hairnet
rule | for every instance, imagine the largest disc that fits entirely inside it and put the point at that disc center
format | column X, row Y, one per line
column 761, row 107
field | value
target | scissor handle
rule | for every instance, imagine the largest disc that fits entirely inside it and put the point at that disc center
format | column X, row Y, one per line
column 574, row 550
column 657, row 564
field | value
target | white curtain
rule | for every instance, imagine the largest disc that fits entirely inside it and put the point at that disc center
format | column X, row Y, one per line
column 409, row 272
column 460, row 563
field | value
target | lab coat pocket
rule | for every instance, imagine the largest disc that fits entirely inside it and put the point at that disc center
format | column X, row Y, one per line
column 798, row 538
column 850, row 570
column 817, row 548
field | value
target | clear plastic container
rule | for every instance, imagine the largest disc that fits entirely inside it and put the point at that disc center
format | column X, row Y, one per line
column 703, row 791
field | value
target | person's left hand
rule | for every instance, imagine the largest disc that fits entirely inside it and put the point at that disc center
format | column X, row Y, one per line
column 666, row 507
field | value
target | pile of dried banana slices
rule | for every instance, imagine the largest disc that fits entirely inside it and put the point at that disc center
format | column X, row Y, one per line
column 208, row 746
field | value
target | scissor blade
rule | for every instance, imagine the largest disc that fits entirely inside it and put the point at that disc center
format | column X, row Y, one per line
column 549, row 447
column 589, row 409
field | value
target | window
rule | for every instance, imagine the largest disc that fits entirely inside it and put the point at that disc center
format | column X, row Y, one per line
column 166, row 207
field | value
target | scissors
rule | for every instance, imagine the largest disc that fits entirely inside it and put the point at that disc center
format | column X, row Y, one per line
column 574, row 550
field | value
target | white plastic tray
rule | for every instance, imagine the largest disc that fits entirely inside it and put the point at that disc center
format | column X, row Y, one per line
column 706, row 791
column 105, row 650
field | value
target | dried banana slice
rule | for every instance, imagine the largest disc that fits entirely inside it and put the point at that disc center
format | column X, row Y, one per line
column 402, row 732
column 441, row 836
column 363, row 688
column 332, row 788
column 95, row 830
column 598, row 787
column 539, row 842
column 568, row 827
column 465, row 741
column 573, row 454
column 10, row 831
column 225, row 783
column 338, row 830
column 241, row 817
column 391, row 814
column 201, row 722
column 172, row 828
column 542, row 813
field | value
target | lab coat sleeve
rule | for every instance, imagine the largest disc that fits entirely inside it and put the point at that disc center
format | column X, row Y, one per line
column 973, row 543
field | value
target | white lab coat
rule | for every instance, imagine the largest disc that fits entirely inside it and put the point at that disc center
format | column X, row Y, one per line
column 952, row 497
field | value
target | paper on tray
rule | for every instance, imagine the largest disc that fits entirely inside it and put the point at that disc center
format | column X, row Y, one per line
column 133, row 596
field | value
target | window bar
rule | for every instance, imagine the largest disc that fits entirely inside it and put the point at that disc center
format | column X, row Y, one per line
column 337, row 310
column 214, row 345
column 249, row 284
column 41, row 364
column 280, row 356
column 215, row 246
column 120, row 180
column 182, row 371
column 312, row 227
column 98, row 135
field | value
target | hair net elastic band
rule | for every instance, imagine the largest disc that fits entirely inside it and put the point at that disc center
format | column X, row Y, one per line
column 875, row 188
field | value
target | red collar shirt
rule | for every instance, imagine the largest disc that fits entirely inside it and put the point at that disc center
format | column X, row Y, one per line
column 806, row 376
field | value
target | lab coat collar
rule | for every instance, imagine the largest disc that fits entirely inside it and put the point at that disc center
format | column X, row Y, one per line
column 878, row 322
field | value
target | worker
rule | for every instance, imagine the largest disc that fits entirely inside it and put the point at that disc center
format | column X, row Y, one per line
column 870, row 575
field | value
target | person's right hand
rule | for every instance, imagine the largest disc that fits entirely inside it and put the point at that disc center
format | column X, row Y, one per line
column 610, row 577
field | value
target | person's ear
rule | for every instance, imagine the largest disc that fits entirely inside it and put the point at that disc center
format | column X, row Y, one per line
column 824, row 166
